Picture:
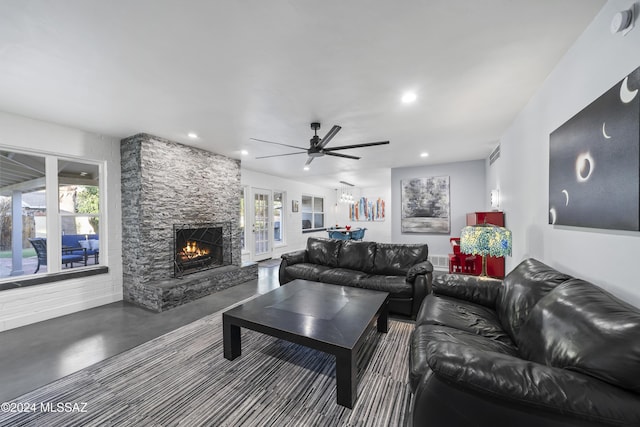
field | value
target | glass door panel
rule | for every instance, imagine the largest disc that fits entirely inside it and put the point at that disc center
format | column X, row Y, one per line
column 261, row 225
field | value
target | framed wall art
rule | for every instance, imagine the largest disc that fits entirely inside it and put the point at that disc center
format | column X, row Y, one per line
column 366, row 209
column 425, row 205
column 594, row 162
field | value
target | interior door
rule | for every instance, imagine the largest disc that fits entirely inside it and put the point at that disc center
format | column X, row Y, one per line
column 261, row 225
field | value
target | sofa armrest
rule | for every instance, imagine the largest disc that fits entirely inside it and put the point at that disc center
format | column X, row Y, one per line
column 513, row 381
column 421, row 288
column 423, row 267
column 290, row 258
column 295, row 257
column 479, row 290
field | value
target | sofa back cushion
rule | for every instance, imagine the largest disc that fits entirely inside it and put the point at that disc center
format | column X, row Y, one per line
column 323, row 251
column 581, row 327
column 357, row 255
column 396, row 259
column 521, row 289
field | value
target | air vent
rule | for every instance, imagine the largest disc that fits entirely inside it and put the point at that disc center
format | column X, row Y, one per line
column 495, row 155
column 439, row 262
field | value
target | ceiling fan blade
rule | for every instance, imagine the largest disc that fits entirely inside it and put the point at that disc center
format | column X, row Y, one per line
column 277, row 143
column 342, row 155
column 279, row 155
column 346, row 147
column 335, row 129
column 309, row 160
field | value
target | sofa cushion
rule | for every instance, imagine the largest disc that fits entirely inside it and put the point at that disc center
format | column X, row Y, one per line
column 425, row 335
column 521, row 289
column 397, row 286
column 323, row 251
column 306, row 271
column 581, row 327
column 397, row 259
column 462, row 315
column 341, row 276
column 357, row 255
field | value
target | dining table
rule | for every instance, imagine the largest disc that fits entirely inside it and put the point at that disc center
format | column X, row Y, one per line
column 344, row 231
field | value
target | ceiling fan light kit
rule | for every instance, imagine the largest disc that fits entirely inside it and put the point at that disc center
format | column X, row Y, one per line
column 317, row 145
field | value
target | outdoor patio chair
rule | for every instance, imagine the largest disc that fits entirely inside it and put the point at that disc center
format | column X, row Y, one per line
column 40, row 245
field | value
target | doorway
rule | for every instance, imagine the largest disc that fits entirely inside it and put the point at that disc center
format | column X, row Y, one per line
column 261, row 224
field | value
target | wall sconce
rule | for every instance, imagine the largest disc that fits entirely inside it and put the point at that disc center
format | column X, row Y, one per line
column 623, row 21
column 495, row 199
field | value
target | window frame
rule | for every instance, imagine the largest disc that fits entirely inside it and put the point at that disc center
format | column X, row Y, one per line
column 243, row 215
column 53, row 216
column 313, row 213
column 283, row 228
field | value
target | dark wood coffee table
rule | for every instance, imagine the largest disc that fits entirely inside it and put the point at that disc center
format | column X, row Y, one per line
column 330, row 318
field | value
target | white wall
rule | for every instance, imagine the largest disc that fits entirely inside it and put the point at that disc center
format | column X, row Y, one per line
column 294, row 238
column 20, row 307
column 467, row 193
column 377, row 231
column 596, row 62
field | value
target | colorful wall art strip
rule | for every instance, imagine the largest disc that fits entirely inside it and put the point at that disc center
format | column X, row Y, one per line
column 367, row 210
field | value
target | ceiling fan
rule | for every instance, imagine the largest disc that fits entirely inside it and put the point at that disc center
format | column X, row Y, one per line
column 317, row 145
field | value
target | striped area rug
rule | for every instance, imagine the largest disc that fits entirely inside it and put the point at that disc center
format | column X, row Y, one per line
column 182, row 379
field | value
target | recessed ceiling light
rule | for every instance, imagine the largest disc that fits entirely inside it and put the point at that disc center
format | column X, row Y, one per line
column 192, row 135
column 409, row 97
column 424, row 154
column 244, row 152
column 306, row 168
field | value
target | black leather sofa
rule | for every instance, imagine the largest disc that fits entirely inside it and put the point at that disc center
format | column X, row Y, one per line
column 539, row 348
column 400, row 269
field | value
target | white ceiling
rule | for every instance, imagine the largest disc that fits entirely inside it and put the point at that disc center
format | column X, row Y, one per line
column 239, row 69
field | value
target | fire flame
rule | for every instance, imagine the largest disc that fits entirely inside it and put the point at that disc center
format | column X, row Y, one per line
column 193, row 251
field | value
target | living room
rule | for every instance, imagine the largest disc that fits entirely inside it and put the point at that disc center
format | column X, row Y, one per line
column 587, row 60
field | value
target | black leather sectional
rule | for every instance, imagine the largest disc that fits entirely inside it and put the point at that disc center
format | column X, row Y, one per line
column 400, row 269
column 540, row 348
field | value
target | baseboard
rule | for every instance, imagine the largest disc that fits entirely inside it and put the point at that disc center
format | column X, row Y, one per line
column 40, row 316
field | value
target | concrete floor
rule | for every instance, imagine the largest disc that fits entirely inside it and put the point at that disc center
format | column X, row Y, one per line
column 38, row 354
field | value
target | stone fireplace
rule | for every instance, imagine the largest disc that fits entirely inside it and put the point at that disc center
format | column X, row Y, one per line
column 158, row 198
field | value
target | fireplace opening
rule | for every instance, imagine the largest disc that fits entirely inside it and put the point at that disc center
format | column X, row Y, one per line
column 201, row 247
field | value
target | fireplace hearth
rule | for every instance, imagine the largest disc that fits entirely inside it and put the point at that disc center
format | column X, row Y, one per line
column 201, row 247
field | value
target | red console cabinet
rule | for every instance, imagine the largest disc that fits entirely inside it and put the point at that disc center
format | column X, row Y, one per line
column 495, row 266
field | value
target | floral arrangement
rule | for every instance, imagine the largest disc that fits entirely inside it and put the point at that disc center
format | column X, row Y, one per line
column 485, row 239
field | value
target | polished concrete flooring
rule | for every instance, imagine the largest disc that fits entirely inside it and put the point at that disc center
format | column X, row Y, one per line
column 37, row 354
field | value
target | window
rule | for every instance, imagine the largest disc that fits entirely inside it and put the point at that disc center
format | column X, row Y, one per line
column 33, row 230
column 23, row 214
column 312, row 212
column 79, row 207
column 278, row 217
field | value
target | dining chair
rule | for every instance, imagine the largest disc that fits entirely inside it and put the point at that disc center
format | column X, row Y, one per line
column 338, row 235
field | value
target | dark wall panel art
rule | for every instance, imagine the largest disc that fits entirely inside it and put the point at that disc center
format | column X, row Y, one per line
column 425, row 205
column 594, row 162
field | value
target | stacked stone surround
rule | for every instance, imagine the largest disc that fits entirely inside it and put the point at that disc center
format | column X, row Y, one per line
column 166, row 183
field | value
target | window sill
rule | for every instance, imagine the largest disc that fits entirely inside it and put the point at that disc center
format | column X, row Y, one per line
column 53, row 277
